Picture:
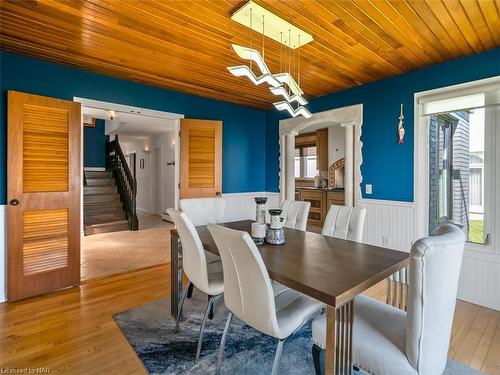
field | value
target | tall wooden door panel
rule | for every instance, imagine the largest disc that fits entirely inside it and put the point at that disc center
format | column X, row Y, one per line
column 44, row 182
column 201, row 158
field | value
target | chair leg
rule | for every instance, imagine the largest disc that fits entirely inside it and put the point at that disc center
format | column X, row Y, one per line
column 190, row 291
column 211, row 312
column 277, row 357
column 179, row 312
column 220, row 355
column 205, row 316
column 318, row 355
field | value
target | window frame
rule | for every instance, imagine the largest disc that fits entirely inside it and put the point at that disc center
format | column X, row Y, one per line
column 421, row 164
column 302, row 167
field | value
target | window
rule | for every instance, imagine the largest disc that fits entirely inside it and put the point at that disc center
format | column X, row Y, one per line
column 305, row 162
column 459, row 161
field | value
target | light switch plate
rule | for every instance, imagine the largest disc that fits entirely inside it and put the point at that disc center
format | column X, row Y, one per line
column 368, row 188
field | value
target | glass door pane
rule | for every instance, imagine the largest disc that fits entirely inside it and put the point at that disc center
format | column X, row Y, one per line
column 457, row 172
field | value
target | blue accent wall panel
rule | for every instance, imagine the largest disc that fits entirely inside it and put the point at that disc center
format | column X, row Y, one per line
column 244, row 142
column 387, row 165
column 94, row 145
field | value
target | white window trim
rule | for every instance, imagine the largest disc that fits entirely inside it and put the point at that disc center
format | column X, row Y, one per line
column 421, row 163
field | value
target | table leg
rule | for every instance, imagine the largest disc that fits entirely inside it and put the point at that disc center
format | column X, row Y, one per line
column 175, row 275
column 338, row 358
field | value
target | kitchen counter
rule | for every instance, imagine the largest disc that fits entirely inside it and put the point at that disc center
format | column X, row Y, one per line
column 319, row 188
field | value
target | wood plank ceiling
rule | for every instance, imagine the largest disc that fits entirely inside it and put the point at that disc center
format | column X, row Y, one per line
column 186, row 45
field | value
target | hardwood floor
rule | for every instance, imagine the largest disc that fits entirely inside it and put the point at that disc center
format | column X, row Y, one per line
column 73, row 331
column 107, row 254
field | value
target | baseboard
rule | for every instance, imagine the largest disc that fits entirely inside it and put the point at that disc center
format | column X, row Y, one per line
column 480, row 299
column 94, row 169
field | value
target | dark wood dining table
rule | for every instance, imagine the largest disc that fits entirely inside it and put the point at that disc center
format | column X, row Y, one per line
column 331, row 270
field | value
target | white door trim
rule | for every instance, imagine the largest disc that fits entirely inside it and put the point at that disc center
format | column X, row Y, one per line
column 349, row 117
column 85, row 102
column 480, row 271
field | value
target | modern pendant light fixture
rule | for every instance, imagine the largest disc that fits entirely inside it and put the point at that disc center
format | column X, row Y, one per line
column 243, row 70
column 301, row 110
column 290, row 99
column 281, row 84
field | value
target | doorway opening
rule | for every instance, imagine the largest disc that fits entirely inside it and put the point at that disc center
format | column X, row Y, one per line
column 129, row 170
column 323, row 153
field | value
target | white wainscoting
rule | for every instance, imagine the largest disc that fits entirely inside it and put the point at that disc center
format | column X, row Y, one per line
column 3, row 253
column 480, row 278
column 388, row 223
column 391, row 224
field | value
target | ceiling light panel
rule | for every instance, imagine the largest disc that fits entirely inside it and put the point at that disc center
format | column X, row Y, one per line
column 251, row 15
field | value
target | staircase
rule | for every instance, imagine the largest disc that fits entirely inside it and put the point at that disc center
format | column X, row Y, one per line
column 109, row 196
column 103, row 210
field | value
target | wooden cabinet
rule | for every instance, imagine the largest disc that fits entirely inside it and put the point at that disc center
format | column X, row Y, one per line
column 297, row 195
column 336, row 198
column 320, row 200
column 317, row 200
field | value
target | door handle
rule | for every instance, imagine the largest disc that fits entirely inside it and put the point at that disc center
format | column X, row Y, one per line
column 14, row 202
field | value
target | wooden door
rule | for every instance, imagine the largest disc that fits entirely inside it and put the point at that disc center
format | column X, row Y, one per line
column 201, row 158
column 43, row 192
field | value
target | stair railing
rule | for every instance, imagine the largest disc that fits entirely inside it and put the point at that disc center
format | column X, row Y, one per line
column 126, row 183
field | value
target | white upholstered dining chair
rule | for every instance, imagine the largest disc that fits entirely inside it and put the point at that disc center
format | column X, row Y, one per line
column 387, row 340
column 207, row 277
column 295, row 214
column 345, row 223
column 250, row 294
column 202, row 211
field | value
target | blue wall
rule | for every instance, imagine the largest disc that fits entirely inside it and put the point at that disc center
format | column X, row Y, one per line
column 250, row 137
column 386, row 164
column 243, row 166
column 94, row 145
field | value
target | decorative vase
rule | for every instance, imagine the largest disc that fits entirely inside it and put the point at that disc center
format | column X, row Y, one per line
column 260, row 211
column 276, row 232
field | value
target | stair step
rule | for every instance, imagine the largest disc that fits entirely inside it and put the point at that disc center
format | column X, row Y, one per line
column 98, row 174
column 102, row 204
column 100, row 181
column 94, row 198
column 103, row 218
column 91, row 210
column 112, row 226
column 90, row 190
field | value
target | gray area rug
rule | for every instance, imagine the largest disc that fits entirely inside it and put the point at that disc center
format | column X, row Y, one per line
column 150, row 331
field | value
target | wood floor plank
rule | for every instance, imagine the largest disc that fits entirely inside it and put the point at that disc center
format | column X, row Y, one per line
column 73, row 331
column 463, row 329
column 485, row 342
column 472, row 338
column 491, row 363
